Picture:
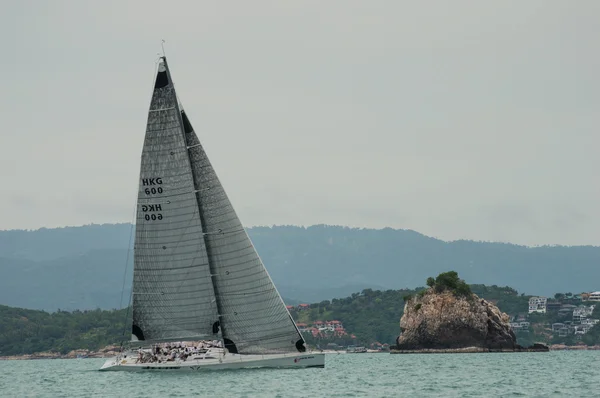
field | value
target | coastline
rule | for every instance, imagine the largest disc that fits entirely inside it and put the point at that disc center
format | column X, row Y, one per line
column 112, row 351
column 106, row 352
column 473, row 350
column 49, row 355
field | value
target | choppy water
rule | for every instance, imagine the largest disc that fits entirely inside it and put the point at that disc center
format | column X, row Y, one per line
column 554, row 374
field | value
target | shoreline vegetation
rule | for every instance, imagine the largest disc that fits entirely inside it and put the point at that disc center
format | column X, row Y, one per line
column 369, row 317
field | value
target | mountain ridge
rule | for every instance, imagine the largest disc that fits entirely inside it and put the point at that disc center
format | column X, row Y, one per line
column 83, row 267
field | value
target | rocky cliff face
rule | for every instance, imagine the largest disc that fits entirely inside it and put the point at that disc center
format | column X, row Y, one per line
column 444, row 321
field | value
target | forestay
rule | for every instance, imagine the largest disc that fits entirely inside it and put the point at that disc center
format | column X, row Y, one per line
column 173, row 296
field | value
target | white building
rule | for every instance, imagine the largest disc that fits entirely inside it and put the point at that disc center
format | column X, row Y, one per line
column 590, row 321
column 537, row 304
column 581, row 329
column 594, row 296
column 582, row 312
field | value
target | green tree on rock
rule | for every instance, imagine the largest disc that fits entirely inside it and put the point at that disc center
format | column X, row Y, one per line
column 449, row 281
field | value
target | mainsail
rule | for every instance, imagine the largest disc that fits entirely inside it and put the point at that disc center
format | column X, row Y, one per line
column 173, row 295
column 196, row 271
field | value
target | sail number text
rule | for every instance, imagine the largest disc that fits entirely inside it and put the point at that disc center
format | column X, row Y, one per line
column 149, row 191
column 152, row 208
column 153, row 187
column 152, row 181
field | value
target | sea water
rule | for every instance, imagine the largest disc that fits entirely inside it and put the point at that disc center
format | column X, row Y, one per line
column 551, row 374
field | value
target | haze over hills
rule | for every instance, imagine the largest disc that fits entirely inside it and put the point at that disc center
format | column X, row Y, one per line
column 83, row 267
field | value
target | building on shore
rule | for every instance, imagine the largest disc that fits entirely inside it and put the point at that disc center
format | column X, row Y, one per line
column 595, row 296
column 537, row 304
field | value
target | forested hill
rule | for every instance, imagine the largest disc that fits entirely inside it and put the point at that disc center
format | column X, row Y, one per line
column 371, row 315
column 83, row 267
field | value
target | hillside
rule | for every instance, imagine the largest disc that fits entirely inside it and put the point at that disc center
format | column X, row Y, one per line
column 83, row 267
column 25, row 331
column 371, row 316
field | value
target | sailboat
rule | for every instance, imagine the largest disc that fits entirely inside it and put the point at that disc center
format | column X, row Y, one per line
column 197, row 275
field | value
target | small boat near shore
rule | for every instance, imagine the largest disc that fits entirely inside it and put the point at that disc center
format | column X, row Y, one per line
column 352, row 349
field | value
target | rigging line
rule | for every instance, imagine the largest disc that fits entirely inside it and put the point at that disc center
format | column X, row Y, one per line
column 125, row 274
column 162, row 45
column 127, row 260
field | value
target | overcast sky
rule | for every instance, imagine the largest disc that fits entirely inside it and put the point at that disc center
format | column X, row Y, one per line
column 458, row 119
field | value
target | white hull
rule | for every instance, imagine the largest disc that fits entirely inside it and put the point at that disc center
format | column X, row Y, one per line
column 229, row 361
